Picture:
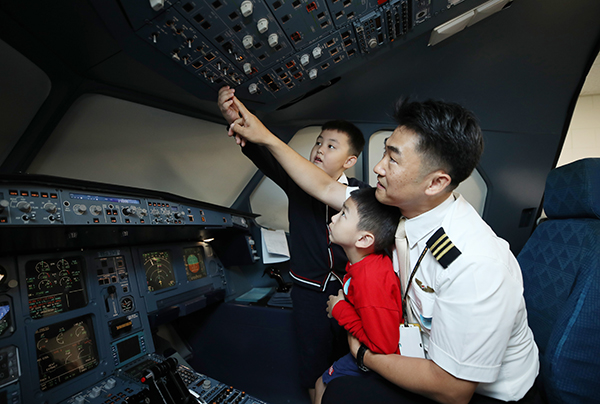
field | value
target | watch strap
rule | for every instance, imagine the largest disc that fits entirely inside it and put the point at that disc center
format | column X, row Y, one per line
column 360, row 356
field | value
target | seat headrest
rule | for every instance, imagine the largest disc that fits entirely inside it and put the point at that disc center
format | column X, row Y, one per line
column 573, row 190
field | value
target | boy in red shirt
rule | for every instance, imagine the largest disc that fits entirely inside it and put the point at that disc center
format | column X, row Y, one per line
column 370, row 307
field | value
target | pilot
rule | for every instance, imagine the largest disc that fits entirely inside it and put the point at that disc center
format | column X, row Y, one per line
column 462, row 285
column 317, row 266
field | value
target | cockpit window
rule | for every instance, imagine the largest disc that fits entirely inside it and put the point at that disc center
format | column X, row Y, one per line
column 114, row 141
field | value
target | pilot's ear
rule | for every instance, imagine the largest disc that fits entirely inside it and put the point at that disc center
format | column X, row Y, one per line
column 439, row 181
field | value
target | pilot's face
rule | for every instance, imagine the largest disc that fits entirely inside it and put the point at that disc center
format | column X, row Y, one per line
column 400, row 181
column 331, row 152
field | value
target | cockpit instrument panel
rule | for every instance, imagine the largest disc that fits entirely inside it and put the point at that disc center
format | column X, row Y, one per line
column 159, row 270
column 194, row 263
column 65, row 350
column 55, row 286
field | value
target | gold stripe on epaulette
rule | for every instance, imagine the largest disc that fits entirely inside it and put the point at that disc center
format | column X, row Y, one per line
column 433, row 246
column 443, row 249
column 441, row 254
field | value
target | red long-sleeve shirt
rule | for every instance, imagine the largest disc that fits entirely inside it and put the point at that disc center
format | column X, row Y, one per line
column 372, row 311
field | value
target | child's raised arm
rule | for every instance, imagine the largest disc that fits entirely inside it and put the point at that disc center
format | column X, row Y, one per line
column 309, row 177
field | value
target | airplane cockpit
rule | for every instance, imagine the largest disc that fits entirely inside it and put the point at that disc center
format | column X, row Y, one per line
column 141, row 256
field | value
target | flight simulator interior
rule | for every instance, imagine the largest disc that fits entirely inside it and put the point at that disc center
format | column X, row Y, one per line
column 116, row 294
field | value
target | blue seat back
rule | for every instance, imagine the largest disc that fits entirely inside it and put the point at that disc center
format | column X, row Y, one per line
column 561, row 267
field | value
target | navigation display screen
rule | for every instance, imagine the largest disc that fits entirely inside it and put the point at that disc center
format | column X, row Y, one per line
column 55, row 286
column 159, row 270
column 128, row 348
column 193, row 258
column 65, row 350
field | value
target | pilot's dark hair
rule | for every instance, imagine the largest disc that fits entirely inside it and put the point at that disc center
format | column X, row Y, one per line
column 449, row 136
column 355, row 135
column 375, row 217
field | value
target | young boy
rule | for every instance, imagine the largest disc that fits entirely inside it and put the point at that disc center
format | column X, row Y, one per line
column 316, row 266
column 371, row 305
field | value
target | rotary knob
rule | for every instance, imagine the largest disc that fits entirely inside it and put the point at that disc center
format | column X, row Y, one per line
column 95, row 210
column 304, row 59
column 312, row 74
column 372, row 43
column 317, row 52
column 24, row 207
column 247, row 68
column 246, row 8
column 3, row 205
column 129, row 211
column 248, row 41
column 80, row 209
column 273, row 40
column 262, row 25
column 253, row 88
column 50, row 207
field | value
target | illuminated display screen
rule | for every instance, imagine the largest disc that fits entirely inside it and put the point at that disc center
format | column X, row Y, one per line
column 159, row 270
column 55, row 286
column 103, row 198
column 128, row 348
column 65, row 350
column 193, row 258
column 4, row 317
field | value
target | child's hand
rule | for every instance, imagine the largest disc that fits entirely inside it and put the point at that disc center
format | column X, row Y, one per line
column 249, row 127
column 225, row 101
column 333, row 300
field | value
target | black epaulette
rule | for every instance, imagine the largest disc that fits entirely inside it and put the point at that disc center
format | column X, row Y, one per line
column 443, row 250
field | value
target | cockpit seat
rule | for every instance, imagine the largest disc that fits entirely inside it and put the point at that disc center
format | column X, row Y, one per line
column 561, row 275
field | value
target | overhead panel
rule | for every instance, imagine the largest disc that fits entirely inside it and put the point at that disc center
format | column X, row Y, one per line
column 278, row 48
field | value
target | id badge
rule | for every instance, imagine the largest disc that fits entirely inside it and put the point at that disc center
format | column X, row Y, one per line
column 411, row 343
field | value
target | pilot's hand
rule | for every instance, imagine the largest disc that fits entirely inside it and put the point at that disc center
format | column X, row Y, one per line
column 250, row 128
column 333, row 300
column 228, row 109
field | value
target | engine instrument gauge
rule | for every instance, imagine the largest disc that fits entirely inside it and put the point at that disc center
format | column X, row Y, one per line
column 65, row 350
column 55, row 286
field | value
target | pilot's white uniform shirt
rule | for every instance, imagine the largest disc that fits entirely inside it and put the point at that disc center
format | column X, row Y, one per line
column 474, row 322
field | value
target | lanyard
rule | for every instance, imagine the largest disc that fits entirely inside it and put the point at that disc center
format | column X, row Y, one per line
column 329, row 250
column 412, row 275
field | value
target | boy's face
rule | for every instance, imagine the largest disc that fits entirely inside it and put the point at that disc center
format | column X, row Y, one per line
column 331, row 153
column 343, row 229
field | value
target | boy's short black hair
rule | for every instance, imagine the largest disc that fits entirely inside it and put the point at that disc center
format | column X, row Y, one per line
column 355, row 135
column 449, row 136
column 375, row 217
